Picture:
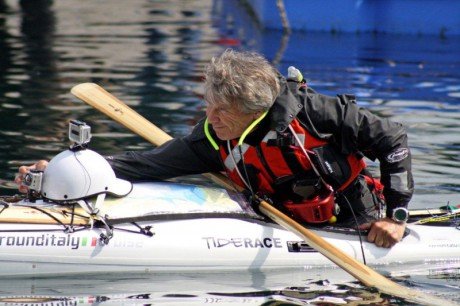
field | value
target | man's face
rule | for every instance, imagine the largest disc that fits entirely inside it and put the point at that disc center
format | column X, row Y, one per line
column 228, row 122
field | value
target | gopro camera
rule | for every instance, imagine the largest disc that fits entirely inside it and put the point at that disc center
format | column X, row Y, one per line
column 79, row 132
column 33, row 180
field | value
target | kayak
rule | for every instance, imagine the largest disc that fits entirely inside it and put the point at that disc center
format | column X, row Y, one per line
column 166, row 226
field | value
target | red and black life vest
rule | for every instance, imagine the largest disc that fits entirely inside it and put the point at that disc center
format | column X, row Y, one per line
column 277, row 157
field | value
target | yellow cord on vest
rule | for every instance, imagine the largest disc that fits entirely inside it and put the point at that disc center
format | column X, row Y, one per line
column 208, row 135
column 250, row 127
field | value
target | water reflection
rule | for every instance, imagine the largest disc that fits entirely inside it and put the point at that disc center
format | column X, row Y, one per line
column 31, row 80
column 225, row 288
column 151, row 56
column 319, row 286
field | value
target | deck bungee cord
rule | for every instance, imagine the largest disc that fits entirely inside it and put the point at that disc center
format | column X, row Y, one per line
column 107, row 224
column 451, row 217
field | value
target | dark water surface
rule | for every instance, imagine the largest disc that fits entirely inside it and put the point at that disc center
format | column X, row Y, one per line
column 151, row 55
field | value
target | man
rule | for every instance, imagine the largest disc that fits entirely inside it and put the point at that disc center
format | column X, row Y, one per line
column 278, row 138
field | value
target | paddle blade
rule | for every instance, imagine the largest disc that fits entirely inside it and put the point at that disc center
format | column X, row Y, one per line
column 108, row 104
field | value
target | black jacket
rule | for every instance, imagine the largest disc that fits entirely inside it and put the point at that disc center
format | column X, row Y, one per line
column 337, row 119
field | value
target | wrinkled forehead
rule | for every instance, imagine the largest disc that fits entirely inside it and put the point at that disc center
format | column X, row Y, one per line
column 211, row 98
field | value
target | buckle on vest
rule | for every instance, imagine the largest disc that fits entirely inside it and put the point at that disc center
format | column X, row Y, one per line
column 319, row 209
column 282, row 140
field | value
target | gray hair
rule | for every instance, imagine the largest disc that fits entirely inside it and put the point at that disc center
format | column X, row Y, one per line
column 243, row 78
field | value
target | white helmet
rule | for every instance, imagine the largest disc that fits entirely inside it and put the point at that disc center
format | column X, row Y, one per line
column 74, row 175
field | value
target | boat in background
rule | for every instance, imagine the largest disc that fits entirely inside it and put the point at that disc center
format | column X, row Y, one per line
column 430, row 17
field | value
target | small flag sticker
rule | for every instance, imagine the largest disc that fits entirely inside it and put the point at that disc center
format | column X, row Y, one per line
column 84, row 241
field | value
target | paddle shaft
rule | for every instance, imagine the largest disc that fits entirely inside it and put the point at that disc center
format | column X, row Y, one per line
column 100, row 99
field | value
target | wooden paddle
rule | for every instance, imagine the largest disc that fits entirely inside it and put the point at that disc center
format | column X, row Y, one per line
column 100, row 99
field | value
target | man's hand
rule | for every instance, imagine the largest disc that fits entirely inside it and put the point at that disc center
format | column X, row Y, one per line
column 23, row 170
column 384, row 232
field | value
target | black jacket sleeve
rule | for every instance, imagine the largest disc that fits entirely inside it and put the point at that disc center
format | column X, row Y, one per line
column 181, row 156
column 357, row 130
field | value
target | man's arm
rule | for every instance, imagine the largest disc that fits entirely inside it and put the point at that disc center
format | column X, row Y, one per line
column 181, row 156
column 358, row 130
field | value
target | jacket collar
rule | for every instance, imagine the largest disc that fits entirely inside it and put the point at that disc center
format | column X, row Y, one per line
column 284, row 110
column 286, row 107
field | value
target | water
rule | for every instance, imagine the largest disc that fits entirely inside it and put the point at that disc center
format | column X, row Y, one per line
column 151, row 54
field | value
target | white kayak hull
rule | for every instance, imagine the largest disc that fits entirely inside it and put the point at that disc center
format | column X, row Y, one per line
column 202, row 243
